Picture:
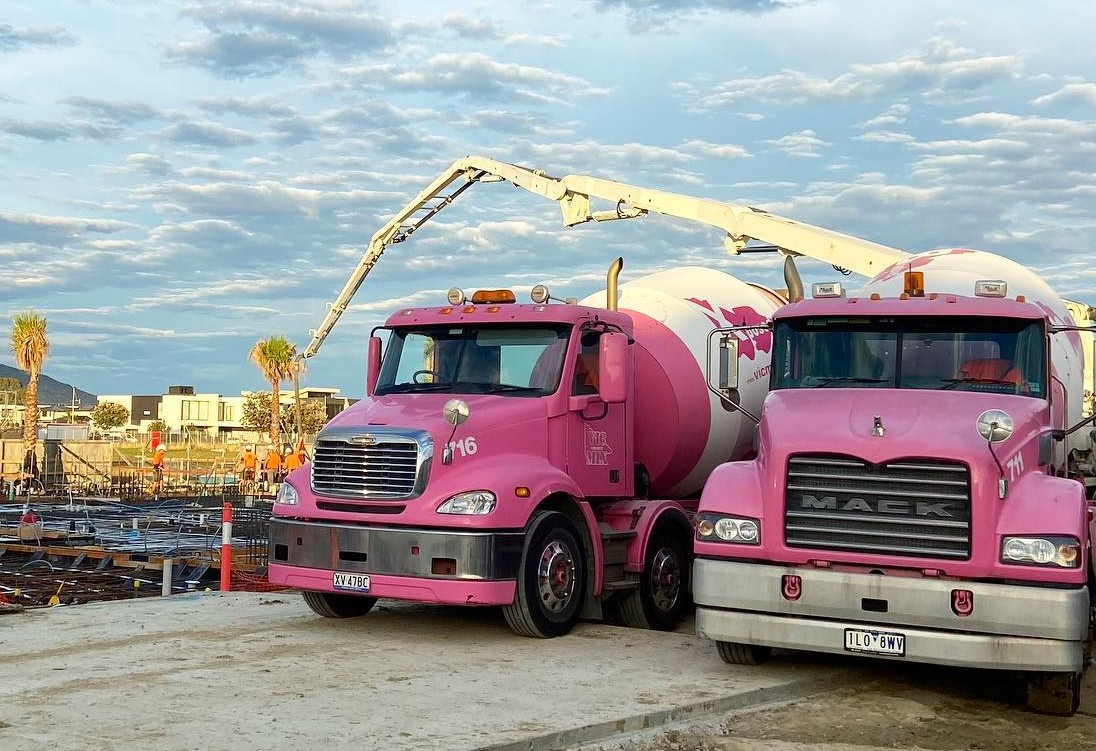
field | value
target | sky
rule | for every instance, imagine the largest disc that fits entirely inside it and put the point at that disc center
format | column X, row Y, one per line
column 181, row 179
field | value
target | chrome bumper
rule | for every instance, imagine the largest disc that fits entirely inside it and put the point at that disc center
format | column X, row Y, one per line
column 1011, row 627
column 396, row 551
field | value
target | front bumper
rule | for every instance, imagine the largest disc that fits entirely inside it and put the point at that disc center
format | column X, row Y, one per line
column 1011, row 627
column 426, row 565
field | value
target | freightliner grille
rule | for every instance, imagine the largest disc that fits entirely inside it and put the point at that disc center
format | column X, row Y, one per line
column 381, row 466
column 912, row 507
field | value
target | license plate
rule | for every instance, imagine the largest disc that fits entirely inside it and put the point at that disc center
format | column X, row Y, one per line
column 875, row 642
column 350, row 582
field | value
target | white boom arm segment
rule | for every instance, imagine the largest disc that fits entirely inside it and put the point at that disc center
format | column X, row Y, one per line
column 573, row 192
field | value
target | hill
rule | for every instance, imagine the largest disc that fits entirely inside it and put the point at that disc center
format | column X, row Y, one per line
column 50, row 390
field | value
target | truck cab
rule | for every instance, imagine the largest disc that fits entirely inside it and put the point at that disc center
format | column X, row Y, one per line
column 910, row 499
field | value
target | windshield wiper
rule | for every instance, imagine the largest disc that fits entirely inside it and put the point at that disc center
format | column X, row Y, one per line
column 405, row 388
column 510, row 388
column 849, row 379
column 953, row 382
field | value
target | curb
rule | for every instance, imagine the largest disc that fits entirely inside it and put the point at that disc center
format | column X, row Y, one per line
column 603, row 731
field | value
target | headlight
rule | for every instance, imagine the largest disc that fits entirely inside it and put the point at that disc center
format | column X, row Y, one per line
column 287, row 494
column 722, row 528
column 472, row 502
column 1046, row 550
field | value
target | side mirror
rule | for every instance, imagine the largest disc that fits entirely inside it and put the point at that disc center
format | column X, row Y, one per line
column 613, row 371
column 373, row 364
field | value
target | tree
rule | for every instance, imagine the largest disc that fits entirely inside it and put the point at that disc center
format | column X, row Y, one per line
column 274, row 358
column 313, row 414
column 157, row 425
column 11, row 391
column 256, row 415
column 107, row 415
column 30, row 347
column 256, row 411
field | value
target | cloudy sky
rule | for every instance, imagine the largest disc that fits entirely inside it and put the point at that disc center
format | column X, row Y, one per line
column 185, row 177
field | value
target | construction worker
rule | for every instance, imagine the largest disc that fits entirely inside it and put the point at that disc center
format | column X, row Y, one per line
column 158, row 462
column 296, row 458
column 247, row 463
column 272, row 467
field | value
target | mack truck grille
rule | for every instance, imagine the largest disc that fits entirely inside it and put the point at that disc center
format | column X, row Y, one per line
column 372, row 466
column 913, row 507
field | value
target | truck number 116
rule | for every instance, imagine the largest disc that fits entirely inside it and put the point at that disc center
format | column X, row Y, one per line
column 465, row 446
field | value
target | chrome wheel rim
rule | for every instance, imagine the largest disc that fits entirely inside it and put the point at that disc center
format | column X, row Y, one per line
column 556, row 576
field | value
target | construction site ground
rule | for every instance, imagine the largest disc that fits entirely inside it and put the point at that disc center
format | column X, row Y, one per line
column 241, row 671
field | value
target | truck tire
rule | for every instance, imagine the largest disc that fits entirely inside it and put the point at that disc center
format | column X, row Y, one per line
column 660, row 601
column 551, row 580
column 331, row 605
column 734, row 653
column 1054, row 693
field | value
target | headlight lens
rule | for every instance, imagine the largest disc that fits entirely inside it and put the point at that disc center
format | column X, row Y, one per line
column 1043, row 550
column 473, row 502
column 287, row 494
column 723, row 528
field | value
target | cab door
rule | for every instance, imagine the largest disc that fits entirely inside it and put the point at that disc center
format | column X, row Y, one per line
column 597, row 435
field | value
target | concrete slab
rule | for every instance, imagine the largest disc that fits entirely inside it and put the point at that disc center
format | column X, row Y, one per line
column 246, row 671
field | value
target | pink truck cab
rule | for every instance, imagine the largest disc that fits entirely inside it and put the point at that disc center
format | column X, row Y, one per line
column 914, row 495
column 545, row 458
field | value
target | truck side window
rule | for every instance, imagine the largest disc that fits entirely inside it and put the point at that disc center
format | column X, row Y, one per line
column 586, row 367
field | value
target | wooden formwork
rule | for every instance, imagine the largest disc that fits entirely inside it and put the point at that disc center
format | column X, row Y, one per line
column 62, row 464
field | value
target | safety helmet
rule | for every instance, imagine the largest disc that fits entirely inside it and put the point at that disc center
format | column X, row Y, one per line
column 161, row 447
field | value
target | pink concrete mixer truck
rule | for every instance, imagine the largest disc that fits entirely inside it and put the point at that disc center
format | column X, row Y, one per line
column 545, row 458
column 919, row 491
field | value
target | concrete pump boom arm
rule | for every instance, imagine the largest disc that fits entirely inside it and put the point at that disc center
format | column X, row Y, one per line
column 573, row 192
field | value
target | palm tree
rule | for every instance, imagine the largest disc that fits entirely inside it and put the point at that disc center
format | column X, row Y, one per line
column 274, row 357
column 30, row 347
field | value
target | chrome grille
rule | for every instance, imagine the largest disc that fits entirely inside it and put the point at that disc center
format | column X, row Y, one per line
column 372, row 466
column 912, row 507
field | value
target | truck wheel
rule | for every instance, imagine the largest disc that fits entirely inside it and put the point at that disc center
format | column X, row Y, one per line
column 338, row 606
column 551, row 580
column 1054, row 693
column 734, row 653
column 660, row 601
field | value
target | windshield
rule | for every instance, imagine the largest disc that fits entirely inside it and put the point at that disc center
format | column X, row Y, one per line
column 1004, row 355
column 508, row 360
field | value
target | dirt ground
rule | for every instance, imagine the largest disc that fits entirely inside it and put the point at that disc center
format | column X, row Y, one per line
column 905, row 707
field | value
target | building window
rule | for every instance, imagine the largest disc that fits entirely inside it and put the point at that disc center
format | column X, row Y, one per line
column 193, row 410
column 225, row 412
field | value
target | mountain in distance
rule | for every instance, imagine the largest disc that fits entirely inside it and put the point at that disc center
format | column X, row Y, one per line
column 50, row 390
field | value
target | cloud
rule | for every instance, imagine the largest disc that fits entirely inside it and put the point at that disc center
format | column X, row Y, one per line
column 52, row 231
column 247, row 38
column 649, row 15
column 13, row 39
column 207, row 134
column 1070, row 93
column 804, row 143
column 37, row 131
column 476, row 75
column 939, row 67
